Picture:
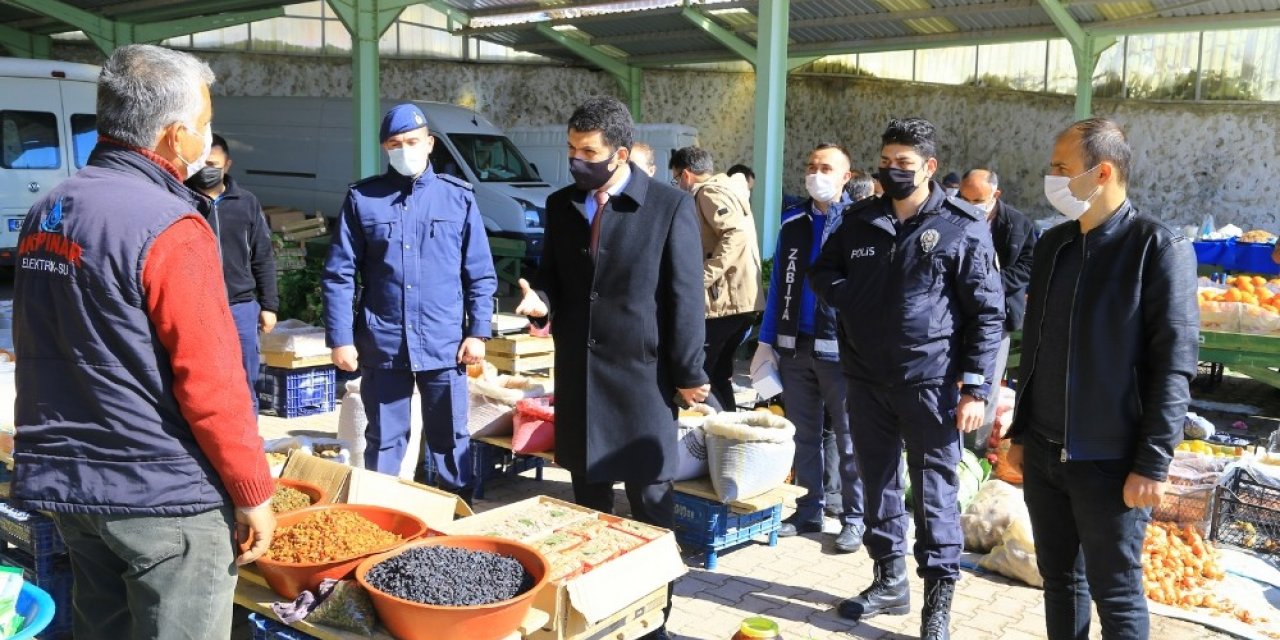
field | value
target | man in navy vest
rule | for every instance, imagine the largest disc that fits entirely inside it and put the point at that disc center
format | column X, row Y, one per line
column 134, row 421
column 802, row 330
column 416, row 240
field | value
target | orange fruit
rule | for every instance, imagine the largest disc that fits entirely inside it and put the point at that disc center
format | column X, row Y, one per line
column 1259, row 281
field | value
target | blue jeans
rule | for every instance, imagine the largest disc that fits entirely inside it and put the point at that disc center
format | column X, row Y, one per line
column 245, row 315
column 923, row 418
column 1088, row 543
column 814, row 392
column 145, row 577
column 445, row 404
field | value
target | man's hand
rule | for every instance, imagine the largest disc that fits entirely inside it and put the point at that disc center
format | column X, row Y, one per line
column 471, row 351
column 1013, row 458
column 695, row 395
column 255, row 526
column 266, row 321
column 345, row 358
column 1141, row 492
column 970, row 413
column 530, row 304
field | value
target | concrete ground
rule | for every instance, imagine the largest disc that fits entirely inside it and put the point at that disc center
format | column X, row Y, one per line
column 799, row 582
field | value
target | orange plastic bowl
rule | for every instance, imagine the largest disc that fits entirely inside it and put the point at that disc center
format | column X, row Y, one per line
column 317, row 495
column 410, row 620
column 288, row 579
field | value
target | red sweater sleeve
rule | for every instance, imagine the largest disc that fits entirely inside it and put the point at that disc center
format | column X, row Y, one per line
column 182, row 280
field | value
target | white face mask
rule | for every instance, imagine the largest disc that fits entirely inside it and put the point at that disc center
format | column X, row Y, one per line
column 1057, row 189
column 196, row 165
column 822, row 187
column 986, row 207
column 409, row 161
column 951, row 191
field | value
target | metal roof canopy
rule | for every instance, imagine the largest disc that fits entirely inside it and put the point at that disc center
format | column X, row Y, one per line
column 623, row 37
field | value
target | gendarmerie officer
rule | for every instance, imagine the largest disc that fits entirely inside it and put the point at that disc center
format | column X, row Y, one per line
column 418, row 244
column 912, row 276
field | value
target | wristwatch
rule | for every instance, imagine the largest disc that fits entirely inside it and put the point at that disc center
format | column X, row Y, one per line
column 973, row 391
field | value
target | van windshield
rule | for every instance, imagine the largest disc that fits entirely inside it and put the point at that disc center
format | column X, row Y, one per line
column 493, row 158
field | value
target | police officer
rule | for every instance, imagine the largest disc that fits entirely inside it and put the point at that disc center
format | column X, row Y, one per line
column 416, row 240
column 921, row 310
column 803, row 331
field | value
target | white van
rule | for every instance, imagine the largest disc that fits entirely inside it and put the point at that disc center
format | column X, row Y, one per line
column 48, row 127
column 297, row 152
column 546, row 147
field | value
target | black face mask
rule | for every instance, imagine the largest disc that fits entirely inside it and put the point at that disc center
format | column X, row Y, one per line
column 898, row 184
column 206, row 178
column 590, row 176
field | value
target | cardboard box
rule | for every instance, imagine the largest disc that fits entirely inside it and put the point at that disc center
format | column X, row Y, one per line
column 360, row 486
column 634, row 621
column 617, row 592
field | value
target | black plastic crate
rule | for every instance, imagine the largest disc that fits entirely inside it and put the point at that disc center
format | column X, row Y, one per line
column 31, row 532
column 293, row 393
column 1246, row 514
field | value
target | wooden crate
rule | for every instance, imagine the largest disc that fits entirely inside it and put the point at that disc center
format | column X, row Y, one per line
column 520, row 345
column 287, row 360
column 522, row 364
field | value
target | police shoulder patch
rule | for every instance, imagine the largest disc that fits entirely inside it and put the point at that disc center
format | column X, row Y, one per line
column 455, row 181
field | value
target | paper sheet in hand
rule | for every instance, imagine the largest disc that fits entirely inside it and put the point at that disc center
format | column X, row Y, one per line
column 765, row 380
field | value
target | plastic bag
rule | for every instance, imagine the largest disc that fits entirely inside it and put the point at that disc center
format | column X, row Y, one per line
column 1005, row 402
column 997, row 504
column 1003, row 470
column 1015, row 556
column 534, row 429
column 493, row 401
column 346, row 607
column 692, row 451
column 748, row 453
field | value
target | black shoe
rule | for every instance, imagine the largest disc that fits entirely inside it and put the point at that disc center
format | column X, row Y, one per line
column 791, row 527
column 849, row 540
column 936, row 617
column 659, row 634
column 887, row 594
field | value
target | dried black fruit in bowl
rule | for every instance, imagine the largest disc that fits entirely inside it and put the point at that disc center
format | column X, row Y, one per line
column 450, row 576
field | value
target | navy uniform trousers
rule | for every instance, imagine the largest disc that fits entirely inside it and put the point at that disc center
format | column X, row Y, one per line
column 882, row 420
column 446, row 441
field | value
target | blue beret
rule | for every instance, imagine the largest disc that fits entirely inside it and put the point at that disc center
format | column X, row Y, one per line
column 401, row 118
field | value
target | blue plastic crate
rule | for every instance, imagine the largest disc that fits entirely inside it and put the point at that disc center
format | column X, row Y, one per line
column 54, row 577
column 31, row 532
column 490, row 462
column 712, row 527
column 293, row 393
column 264, row 628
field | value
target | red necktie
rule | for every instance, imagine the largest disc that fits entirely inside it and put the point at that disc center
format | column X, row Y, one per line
column 602, row 198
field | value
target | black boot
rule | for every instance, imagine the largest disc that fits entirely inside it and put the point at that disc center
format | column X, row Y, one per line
column 936, row 617
column 887, row 594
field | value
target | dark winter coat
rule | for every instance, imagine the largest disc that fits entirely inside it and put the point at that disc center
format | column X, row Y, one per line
column 628, row 327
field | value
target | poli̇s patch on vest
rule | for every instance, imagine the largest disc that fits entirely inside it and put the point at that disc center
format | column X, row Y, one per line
column 929, row 240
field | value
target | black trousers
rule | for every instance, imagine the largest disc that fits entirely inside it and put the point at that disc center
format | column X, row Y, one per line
column 650, row 503
column 723, row 337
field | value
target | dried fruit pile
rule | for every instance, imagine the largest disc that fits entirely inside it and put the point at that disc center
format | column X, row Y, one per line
column 1179, row 569
column 289, row 499
column 450, row 576
column 326, row 536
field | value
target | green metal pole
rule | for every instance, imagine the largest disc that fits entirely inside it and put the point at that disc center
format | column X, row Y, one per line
column 366, row 20
column 1086, row 57
column 771, row 100
column 634, row 88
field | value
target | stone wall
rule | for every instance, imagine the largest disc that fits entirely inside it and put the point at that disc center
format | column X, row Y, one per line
column 1190, row 158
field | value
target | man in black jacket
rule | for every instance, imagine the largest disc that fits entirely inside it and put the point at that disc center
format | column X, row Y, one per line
column 248, row 264
column 1014, row 237
column 913, row 279
column 1108, row 356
